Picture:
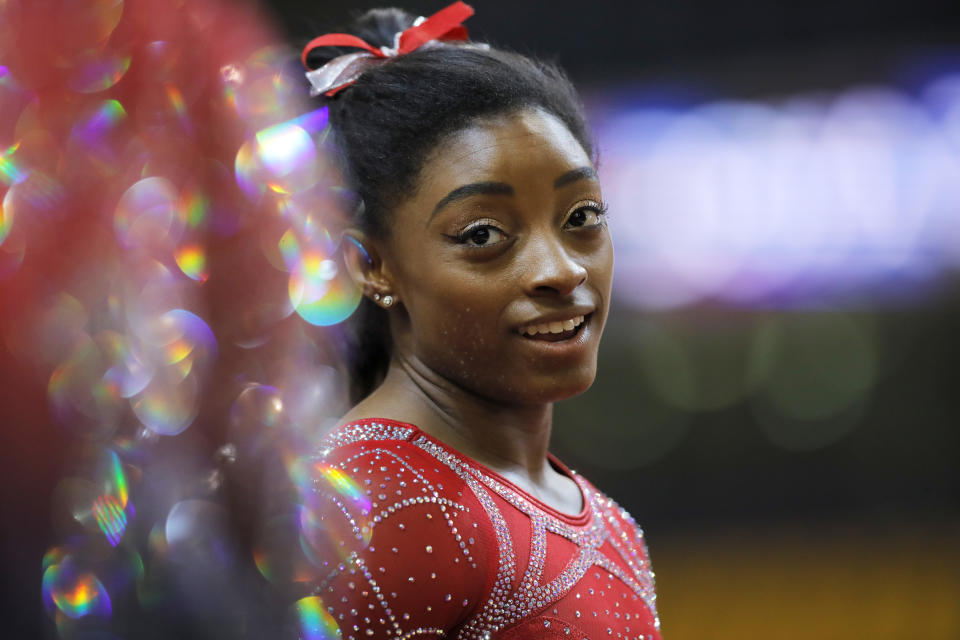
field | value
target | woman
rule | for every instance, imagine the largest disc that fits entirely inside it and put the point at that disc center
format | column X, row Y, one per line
column 481, row 247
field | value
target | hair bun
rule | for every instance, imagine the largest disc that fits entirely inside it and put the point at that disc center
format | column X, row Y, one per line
column 377, row 27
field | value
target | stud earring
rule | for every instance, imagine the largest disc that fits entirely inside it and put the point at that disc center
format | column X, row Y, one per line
column 376, row 297
column 387, row 301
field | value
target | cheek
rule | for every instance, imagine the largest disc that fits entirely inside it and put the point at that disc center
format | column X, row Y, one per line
column 599, row 263
column 457, row 321
column 607, row 270
column 458, row 346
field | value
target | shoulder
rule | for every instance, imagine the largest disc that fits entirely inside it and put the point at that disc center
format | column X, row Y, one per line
column 615, row 518
column 628, row 556
column 403, row 542
column 393, row 467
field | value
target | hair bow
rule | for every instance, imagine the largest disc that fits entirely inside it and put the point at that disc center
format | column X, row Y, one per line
column 342, row 71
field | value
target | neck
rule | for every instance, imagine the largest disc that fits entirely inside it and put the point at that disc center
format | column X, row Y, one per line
column 511, row 439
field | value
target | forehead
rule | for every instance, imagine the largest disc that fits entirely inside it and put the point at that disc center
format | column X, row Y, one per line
column 521, row 146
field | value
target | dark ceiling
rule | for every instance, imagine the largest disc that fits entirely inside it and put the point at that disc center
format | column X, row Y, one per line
column 606, row 39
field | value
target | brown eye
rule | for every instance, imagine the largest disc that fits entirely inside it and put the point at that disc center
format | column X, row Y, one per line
column 480, row 235
column 587, row 216
column 578, row 219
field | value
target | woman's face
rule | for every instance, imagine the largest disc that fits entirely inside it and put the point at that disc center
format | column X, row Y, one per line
column 502, row 261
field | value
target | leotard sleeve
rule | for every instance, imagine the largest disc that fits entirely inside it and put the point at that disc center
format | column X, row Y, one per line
column 402, row 545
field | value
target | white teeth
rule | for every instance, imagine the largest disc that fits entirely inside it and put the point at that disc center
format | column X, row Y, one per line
column 553, row 327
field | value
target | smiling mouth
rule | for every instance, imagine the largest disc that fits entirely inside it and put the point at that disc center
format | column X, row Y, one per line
column 555, row 331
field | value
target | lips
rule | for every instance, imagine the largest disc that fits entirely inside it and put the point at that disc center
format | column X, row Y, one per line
column 555, row 330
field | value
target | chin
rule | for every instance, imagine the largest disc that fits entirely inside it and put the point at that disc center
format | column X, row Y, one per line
column 550, row 389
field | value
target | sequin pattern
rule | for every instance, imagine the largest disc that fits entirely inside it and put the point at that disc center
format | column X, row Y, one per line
column 457, row 551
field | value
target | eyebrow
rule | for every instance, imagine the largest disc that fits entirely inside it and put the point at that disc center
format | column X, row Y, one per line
column 504, row 189
column 580, row 173
column 472, row 189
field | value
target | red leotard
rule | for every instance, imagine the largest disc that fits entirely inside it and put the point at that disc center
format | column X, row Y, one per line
column 444, row 546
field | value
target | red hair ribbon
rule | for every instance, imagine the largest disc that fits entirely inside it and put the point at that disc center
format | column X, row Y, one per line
column 446, row 24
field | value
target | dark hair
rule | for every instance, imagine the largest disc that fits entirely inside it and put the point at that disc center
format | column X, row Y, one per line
column 385, row 124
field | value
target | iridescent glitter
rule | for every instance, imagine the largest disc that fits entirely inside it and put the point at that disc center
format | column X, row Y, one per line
column 193, row 207
column 103, row 119
column 83, row 398
column 336, row 519
column 147, row 213
column 129, row 372
column 122, row 122
column 95, row 20
column 343, row 485
column 6, row 221
column 110, row 518
column 98, row 72
column 74, row 592
column 287, row 157
column 168, row 405
column 175, row 96
column 192, row 261
column 181, row 332
column 320, row 290
column 10, row 172
column 113, row 478
column 183, row 345
column 315, row 622
column 245, row 168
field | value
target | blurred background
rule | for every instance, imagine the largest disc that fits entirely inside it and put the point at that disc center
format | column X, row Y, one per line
column 776, row 402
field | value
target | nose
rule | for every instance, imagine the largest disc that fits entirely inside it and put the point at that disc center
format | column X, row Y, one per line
column 551, row 269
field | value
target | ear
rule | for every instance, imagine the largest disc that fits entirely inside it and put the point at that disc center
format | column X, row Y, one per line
column 365, row 265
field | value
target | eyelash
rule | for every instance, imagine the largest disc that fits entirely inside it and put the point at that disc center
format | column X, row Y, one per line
column 600, row 208
column 463, row 236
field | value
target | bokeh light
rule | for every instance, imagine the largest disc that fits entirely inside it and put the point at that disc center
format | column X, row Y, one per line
column 6, row 222
column 192, row 261
column 74, row 592
column 281, row 158
column 10, row 172
column 797, row 201
column 169, row 404
column 246, row 169
column 257, row 407
column 662, row 403
column 82, row 397
column 343, row 485
column 119, row 125
column 816, row 371
column 111, row 508
column 147, row 214
column 335, row 517
column 98, row 71
column 84, row 24
column 110, row 518
column 288, row 157
column 321, row 290
column 104, row 118
column 314, row 621
column 197, row 535
column 130, row 371
column 181, row 333
column 38, row 198
column 193, row 207
column 277, row 553
column 262, row 89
